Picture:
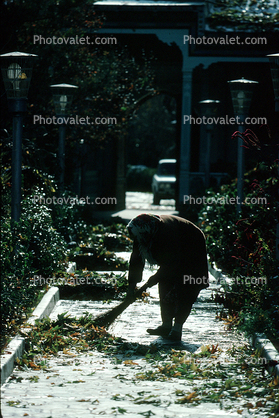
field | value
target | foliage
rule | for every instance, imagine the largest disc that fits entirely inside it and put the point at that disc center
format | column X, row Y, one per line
column 256, row 318
column 257, row 15
column 66, row 212
column 41, row 252
column 243, row 245
column 90, row 285
column 48, row 337
column 139, row 178
column 244, row 248
column 46, row 245
column 108, row 234
column 30, row 248
column 230, row 379
column 97, row 245
column 98, row 258
column 235, row 379
column 110, row 81
column 38, row 246
column 152, row 132
column 17, row 296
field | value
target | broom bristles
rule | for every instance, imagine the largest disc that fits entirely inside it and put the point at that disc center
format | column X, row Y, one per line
column 107, row 318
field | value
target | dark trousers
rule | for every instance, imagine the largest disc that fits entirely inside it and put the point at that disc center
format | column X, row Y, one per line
column 176, row 301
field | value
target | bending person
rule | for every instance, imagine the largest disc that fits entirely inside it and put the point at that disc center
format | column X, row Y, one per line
column 178, row 247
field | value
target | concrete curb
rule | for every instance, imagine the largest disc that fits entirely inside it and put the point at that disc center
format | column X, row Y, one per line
column 268, row 351
column 15, row 348
column 259, row 341
column 45, row 306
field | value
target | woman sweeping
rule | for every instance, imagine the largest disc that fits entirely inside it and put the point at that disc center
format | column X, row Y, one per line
column 178, row 247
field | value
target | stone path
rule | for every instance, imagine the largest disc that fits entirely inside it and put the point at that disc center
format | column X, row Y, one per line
column 96, row 384
column 139, row 202
column 142, row 200
column 93, row 383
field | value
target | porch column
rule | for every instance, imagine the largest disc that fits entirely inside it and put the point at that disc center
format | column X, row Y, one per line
column 120, row 174
column 185, row 142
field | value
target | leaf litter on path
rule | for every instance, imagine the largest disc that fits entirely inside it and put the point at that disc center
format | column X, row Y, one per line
column 234, row 380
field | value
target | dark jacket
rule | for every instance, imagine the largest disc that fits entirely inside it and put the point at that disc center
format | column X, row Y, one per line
column 179, row 249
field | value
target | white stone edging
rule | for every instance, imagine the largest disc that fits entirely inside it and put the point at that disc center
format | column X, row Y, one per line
column 268, row 351
column 15, row 348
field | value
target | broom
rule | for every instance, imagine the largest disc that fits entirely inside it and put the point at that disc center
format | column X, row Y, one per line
column 107, row 318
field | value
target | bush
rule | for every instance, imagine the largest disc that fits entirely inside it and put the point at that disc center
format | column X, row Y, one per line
column 245, row 244
column 32, row 248
column 244, row 247
column 139, row 178
column 46, row 245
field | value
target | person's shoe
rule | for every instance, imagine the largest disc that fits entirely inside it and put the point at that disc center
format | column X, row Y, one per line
column 162, row 331
column 174, row 336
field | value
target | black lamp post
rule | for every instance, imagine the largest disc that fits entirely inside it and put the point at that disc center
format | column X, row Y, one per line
column 62, row 98
column 208, row 109
column 241, row 92
column 274, row 66
column 17, row 71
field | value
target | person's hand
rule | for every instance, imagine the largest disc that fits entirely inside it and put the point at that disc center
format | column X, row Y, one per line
column 131, row 290
column 152, row 280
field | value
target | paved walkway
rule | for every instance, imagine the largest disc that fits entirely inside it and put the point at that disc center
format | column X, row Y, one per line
column 137, row 203
column 93, row 383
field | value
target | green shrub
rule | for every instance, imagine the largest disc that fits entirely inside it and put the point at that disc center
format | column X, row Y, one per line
column 139, row 178
column 255, row 319
column 244, row 244
column 32, row 248
column 243, row 247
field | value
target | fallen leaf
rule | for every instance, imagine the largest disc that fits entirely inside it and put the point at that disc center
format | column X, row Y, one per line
column 129, row 362
column 248, row 405
column 188, row 398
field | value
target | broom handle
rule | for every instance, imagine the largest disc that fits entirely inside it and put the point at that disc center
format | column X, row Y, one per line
column 130, row 299
column 108, row 317
column 139, row 291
